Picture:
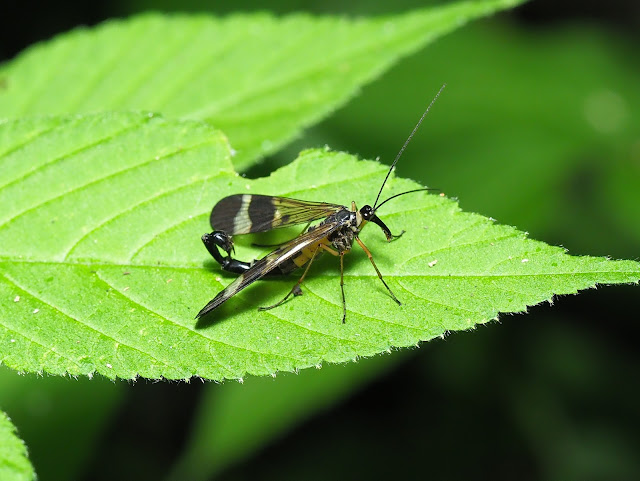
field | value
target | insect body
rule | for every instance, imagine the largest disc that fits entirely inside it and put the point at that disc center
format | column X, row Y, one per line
column 246, row 213
column 335, row 235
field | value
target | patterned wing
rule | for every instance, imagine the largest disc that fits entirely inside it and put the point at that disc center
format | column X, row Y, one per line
column 247, row 213
column 285, row 252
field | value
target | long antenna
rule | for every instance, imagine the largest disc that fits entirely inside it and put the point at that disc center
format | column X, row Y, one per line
column 402, row 193
column 415, row 129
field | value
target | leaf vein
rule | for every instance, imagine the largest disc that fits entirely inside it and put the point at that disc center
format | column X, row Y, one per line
column 76, row 151
column 183, row 328
column 24, row 142
column 143, row 202
column 96, row 181
column 152, row 70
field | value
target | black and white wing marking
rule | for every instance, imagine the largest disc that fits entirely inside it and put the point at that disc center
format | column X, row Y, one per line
column 247, row 213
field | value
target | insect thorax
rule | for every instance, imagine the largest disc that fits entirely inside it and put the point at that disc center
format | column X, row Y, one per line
column 342, row 238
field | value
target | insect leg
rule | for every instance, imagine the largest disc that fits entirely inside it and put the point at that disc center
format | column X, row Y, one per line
column 295, row 290
column 341, row 254
column 364, row 248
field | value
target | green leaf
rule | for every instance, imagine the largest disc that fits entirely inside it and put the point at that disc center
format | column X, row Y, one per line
column 259, row 78
column 102, row 269
column 14, row 462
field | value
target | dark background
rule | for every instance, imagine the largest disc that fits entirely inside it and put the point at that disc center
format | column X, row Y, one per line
column 552, row 394
column 26, row 22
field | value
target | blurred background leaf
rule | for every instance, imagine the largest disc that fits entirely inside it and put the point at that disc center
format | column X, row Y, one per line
column 252, row 76
column 14, row 463
column 518, row 135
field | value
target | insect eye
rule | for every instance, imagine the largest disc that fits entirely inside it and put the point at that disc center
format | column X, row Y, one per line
column 367, row 212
